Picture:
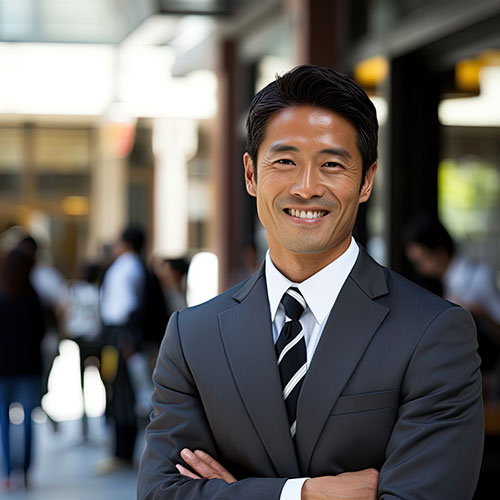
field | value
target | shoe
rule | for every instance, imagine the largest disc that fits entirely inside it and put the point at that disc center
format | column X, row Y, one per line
column 111, row 465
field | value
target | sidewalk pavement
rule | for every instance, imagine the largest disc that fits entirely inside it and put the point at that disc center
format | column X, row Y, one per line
column 64, row 468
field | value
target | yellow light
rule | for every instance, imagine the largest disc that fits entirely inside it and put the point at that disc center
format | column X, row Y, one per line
column 371, row 72
column 467, row 75
column 75, row 205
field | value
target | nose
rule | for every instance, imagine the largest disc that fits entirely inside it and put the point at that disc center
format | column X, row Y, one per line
column 307, row 183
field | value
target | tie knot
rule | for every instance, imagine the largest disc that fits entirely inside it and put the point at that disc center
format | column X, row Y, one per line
column 294, row 303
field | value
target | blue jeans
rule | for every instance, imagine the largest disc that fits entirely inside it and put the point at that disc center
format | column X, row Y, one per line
column 23, row 389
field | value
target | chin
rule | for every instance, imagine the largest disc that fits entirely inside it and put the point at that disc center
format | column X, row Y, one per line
column 306, row 249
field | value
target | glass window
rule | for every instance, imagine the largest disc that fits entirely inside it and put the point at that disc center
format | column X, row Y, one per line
column 138, row 196
column 469, row 171
column 469, row 190
column 11, row 161
column 61, row 160
column 56, row 185
column 59, row 150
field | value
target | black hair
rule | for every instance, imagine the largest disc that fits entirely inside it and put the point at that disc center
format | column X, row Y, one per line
column 28, row 244
column 15, row 272
column 180, row 265
column 91, row 272
column 322, row 87
column 428, row 231
column 133, row 236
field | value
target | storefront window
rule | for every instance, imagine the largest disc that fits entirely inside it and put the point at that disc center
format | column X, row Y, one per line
column 61, row 160
column 469, row 172
column 11, row 160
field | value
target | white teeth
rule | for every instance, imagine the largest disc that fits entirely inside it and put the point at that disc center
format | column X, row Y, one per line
column 302, row 214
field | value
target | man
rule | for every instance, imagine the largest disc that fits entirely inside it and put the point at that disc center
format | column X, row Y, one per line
column 122, row 306
column 324, row 375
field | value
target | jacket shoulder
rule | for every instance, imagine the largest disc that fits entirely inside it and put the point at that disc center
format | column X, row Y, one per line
column 403, row 297
column 205, row 314
column 420, row 306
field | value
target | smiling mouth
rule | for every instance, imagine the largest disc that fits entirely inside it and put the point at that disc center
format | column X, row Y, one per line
column 306, row 214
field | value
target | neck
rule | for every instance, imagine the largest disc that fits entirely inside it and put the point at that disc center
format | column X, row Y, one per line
column 299, row 267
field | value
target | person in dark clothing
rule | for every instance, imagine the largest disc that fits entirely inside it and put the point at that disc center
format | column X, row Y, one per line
column 50, row 287
column 21, row 332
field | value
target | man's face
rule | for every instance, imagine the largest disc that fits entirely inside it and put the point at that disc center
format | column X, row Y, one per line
column 308, row 183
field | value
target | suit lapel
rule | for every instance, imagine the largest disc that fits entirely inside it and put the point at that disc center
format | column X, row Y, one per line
column 352, row 323
column 247, row 336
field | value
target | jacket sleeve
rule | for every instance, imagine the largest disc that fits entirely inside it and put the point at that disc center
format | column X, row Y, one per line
column 435, row 450
column 178, row 421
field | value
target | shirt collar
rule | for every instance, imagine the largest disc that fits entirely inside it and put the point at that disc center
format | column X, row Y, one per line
column 331, row 278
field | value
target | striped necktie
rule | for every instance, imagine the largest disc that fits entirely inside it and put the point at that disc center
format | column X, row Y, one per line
column 291, row 353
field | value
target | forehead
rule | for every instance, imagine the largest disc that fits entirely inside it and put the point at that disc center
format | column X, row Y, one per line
column 309, row 126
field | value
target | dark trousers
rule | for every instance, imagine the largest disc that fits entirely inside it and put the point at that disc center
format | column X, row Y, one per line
column 120, row 397
column 88, row 349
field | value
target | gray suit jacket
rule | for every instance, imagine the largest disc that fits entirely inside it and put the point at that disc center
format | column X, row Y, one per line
column 394, row 384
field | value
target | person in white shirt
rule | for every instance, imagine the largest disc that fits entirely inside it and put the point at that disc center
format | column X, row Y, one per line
column 323, row 375
column 81, row 322
column 122, row 308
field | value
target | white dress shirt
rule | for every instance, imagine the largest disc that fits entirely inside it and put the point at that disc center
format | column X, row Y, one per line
column 320, row 292
column 122, row 289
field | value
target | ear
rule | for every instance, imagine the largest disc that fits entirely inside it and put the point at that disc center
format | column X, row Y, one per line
column 366, row 188
column 250, row 181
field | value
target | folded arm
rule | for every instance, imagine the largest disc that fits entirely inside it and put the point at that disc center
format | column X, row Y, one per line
column 360, row 485
column 435, row 449
column 178, row 421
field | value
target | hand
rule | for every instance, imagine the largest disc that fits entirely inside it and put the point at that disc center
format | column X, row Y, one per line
column 206, row 466
column 360, row 485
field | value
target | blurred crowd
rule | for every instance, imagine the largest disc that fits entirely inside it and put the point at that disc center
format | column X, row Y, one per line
column 116, row 311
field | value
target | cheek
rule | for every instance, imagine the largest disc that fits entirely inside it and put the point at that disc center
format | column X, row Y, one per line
column 263, row 210
column 347, row 195
column 267, row 190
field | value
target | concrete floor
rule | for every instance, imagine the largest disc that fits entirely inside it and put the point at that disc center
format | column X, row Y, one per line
column 64, row 468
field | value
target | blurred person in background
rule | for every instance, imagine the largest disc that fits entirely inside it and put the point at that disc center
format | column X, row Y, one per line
column 22, row 327
column 172, row 274
column 122, row 312
column 464, row 281
column 50, row 286
column 82, row 323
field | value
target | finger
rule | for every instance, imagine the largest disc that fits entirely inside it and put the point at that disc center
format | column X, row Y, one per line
column 202, row 467
column 185, row 472
column 220, row 471
column 194, row 461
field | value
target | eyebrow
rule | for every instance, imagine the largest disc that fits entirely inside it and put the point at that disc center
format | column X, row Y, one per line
column 337, row 152
column 281, row 148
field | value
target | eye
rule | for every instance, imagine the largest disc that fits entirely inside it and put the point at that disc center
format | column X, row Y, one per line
column 333, row 164
column 285, row 161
